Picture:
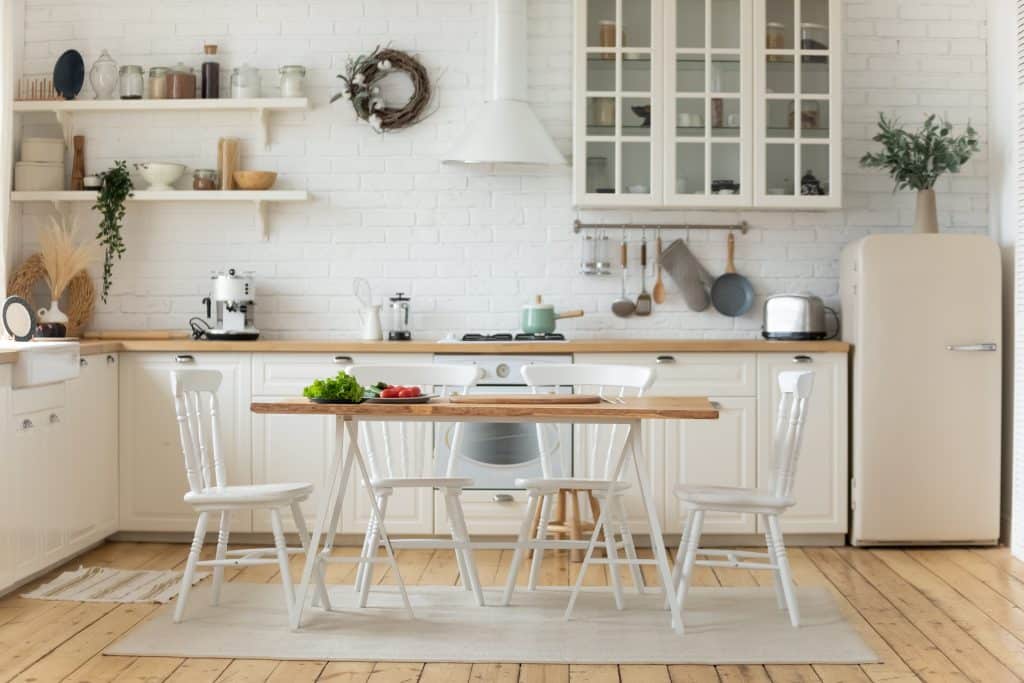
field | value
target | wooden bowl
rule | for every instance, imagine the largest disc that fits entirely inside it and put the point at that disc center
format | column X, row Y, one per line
column 254, row 180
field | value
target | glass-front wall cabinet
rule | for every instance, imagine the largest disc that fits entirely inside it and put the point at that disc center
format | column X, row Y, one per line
column 707, row 103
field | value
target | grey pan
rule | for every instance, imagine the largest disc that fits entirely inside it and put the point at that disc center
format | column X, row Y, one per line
column 688, row 273
column 732, row 294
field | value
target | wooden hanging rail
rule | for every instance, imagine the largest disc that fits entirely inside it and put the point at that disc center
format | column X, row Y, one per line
column 742, row 227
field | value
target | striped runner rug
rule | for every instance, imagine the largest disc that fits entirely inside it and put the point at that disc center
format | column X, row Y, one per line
column 103, row 584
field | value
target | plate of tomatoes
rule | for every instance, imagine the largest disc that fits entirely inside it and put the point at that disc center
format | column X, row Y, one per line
column 396, row 393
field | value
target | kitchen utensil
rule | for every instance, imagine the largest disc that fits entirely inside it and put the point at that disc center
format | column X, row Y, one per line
column 18, row 319
column 235, row 299
column 623, row 306
column 47, row 150
column 797, row 317
column 361, row 290
column 643, row 300
column 540, row 318
column 688, row 273
column 732, row 294
column 160, row 176
column 227, row 162
column 69, row 74
column 400, row 313
column 659, row 286
column 254, row 180
column 526, row 399
column 103, row 76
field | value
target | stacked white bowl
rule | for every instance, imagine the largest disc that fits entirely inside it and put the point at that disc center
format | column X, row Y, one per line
column 41, row 167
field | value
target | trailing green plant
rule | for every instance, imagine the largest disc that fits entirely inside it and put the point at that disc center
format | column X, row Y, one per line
column 916, row 159
column 115, row 188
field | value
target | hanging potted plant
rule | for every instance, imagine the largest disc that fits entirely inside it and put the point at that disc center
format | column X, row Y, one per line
column 917, row 159
column 115, row 188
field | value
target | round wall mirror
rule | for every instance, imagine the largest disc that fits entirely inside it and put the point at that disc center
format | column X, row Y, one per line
column 18, row 319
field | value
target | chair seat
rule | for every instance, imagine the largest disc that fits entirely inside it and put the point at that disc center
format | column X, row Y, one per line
column 731, row 497
column 570, row 483
column 257, row 494
column 414, row 482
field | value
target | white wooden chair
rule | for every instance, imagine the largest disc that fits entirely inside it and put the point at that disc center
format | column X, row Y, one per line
column 606, row 450
column 396, row 461
column 195, row 402
column 795, row 389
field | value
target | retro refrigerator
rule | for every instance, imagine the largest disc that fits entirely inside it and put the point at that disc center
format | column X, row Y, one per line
column 923, row 313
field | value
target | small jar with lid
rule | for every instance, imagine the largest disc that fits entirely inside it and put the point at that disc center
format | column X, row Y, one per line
column 130, row 82
column 293, row 80
column 245, row 82
column 181, row 83
column 156, row 87
column 204, row 179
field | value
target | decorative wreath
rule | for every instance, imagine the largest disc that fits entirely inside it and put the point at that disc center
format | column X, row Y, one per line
column 362, row 87
column 79, row 298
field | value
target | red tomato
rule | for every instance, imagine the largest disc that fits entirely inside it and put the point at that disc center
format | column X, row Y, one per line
column 406, row 393
column 415, row 391
column 390, row 392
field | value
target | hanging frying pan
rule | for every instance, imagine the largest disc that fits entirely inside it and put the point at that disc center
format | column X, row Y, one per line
column 732, row 294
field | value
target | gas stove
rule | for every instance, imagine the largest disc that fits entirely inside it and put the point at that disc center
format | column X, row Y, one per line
column 508, row 336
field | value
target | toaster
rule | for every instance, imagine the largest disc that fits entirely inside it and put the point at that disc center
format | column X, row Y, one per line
column 796, row 317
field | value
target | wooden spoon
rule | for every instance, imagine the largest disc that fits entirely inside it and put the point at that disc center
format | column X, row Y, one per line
column 659, row 286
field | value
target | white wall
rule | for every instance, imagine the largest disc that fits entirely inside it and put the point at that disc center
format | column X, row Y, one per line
column 469, row 244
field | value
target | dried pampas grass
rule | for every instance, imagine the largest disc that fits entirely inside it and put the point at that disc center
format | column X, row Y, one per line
column 62, row 258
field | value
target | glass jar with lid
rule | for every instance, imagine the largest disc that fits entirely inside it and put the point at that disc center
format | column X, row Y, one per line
column 293, row 80
column 204, row 179
column 130, row 81
column 181, row 82
column 245, row 82
column 156, row 87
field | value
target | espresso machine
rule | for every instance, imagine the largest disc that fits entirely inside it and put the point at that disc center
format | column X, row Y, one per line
column 233, row 296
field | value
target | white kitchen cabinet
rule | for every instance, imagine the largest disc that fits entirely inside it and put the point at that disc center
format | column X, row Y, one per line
column 707, row 103
column 822, row 478
column 152, row 468
column 8, row 462
column 92, row 404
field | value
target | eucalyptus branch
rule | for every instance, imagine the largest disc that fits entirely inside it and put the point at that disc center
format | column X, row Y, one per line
column 916, row 160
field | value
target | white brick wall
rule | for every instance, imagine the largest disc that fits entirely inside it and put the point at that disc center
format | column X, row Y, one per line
column 469, row 244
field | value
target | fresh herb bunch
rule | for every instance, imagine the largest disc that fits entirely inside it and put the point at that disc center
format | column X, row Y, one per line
column 342, row 387
column 916, row 160
column 115, row 188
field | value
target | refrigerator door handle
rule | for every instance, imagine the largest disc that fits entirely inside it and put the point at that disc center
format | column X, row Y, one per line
column 972, row 347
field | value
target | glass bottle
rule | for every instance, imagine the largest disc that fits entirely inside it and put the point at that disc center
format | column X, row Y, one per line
column 103, row 76
column 130, row 82
column 293, row 80
column 211, row 73
column 156, row 88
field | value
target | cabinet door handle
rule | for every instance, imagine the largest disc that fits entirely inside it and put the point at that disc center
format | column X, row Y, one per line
column 111, row 360
column 716, row 405
column 503, row 498
column 27, row 424
column 83, row 363
column 54, row 418
column 343, row 360
column 802, row 359
column 972, row 347
column 185, row 358
column 665, row 359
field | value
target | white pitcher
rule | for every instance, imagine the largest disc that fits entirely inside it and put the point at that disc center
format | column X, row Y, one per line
column 369, row 317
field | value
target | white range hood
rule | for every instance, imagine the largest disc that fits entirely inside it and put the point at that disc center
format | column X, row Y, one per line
column 505, row 130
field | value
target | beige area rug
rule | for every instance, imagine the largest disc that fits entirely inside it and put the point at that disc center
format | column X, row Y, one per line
column 102, row 584
column 723, row 626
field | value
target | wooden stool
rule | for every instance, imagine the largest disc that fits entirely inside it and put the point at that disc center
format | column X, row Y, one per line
column 571, row 524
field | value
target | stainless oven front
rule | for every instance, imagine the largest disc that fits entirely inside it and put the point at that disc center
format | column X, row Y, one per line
column 495, row 454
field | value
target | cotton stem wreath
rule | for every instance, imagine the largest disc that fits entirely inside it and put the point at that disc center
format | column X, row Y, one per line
column 362, row 79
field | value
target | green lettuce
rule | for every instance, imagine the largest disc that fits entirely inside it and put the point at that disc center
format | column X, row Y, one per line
column 342, row 387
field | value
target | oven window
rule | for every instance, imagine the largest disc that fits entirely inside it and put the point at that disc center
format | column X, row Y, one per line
column 499, row 444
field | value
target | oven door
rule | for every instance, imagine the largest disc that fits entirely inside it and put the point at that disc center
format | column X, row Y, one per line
column 495, row 454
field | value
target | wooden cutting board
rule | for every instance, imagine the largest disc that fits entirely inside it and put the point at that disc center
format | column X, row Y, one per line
column 526, row 399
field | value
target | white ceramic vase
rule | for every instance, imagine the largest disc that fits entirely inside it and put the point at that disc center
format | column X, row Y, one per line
column 926, row 219
column 53, row 314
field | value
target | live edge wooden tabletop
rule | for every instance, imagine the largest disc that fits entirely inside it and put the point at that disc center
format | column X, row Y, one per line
column 648, row 408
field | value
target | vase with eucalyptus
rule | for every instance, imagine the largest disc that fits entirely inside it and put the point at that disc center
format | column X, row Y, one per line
column 916, row 160
column 115, row 188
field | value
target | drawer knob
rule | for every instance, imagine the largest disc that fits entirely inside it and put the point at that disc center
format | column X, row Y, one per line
column 111, row 360
column 27, row 424
column 184, row 358
column 503, row 498
column 802, row 359
column 83, row 363
column 661, row 360
column 54, row 418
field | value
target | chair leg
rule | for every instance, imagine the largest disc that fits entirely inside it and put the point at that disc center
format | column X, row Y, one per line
column 677, row 566
column 630, row 546
column 692, row 546
column 612, row 555
column 375, row 542
column 471, row 576
column 304, row 540
column 460, row 557
column 368, row 549
column 190, row 566
column 522, row 542
column 780, row 597
column 575, row 527
column 542, row 535
column 586, row 563
column 282, row 560
column 787, row 580
column 222, row 548
column 536, row 529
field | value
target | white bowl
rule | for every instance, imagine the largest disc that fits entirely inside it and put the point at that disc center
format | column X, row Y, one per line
column 160, row 176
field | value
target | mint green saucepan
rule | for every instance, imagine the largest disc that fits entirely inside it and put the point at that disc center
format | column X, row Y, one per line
column 540, row 318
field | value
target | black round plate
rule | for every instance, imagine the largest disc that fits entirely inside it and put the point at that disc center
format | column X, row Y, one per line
column 14, row 312
column 69, row 74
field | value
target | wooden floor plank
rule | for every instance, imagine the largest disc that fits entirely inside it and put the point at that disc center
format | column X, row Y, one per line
column 793, row 673
column 542, row 673
column 692, row 673
column 147, row 670
column 593, row 673
column 199, row 671
column 494, row 673
column 842, row 673
column 395, row 672
column 446, row 672
column 296, row 672
column 745, row 673
column 347, row 672
column 644, row 673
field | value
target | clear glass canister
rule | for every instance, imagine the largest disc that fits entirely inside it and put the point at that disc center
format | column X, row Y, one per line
column 156, row 88
column 245, row 82
column 293, row 80
column 130, row 80
column 204, row 179
column 181, row 83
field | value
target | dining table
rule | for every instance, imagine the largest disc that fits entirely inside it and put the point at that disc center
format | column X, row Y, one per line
column 629, row 412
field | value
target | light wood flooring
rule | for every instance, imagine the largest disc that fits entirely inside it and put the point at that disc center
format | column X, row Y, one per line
column 935, row 615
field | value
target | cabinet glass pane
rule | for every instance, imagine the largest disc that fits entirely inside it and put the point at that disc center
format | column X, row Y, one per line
column 814, row 167
column 814, row 74
column 725, row 168
column 778, row 162
column 779, row 74
column 636, row 116
column 636, row 23
column 725, row 117
column 636, row 73
column 780, row 16
column 636, row 168
column 600, row 116
column 600, row 167
column 725, row 73
column 690, row 117
column 690, row 73
column 601, row 72
column 690, row 23
column 779, row 115
column 814, row 118
column 601, row 26
column 690, row 168
column 725, row 24
column 814, row 24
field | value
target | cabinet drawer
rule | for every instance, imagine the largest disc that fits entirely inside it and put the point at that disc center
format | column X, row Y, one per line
column 689, row 374
column 37, row 398
column 285, row 374
column 487, row 512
